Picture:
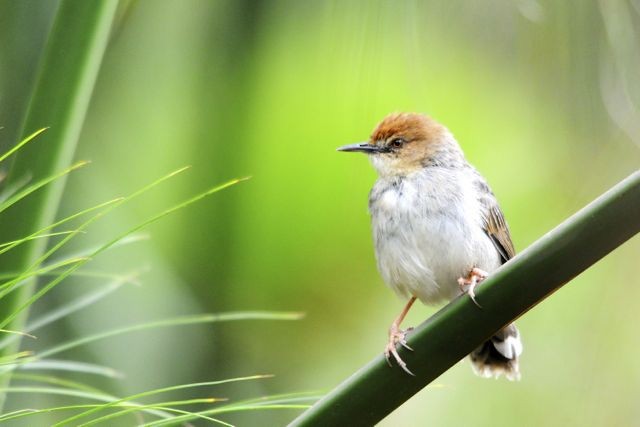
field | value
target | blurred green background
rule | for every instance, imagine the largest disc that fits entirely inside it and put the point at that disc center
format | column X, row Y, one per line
column 543, row 96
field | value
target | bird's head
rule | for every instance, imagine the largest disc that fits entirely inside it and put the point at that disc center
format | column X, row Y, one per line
column 406, row 142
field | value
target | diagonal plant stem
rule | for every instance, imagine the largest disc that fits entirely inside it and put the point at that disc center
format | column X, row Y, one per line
column 453, row 332
column 66, row 75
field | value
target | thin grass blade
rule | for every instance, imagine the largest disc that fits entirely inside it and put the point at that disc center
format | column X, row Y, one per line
column 111, row 243
column 175, row 321
column 158, row 391
column 21, row 144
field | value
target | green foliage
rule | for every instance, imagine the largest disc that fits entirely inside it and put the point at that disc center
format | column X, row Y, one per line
column 68, row 266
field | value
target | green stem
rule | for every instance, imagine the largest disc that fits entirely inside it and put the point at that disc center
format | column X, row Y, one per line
column 66, row 76
column 453, row 332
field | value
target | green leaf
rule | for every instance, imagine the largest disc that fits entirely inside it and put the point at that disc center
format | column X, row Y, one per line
column 15, row 243
column 57, row 224
column 71, row 366
column 21, row 144
column 161, row 409
column 155, row 392
column 74, row 305
column 38, row 185
column 167, row 406
column 9, row 286
column 175, row 321
column 61, row 391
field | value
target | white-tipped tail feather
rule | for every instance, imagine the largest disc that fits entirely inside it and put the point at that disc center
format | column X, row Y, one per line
column 499, row 355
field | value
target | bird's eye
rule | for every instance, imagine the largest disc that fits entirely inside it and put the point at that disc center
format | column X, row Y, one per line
column 397, row 142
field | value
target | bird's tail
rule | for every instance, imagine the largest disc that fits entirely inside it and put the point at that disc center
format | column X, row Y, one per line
column 499, row 355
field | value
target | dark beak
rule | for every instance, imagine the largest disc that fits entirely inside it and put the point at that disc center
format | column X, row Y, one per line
column 363, row 147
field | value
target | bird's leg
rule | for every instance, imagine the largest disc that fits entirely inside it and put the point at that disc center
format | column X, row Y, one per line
column 473, row 279
column 398, row 336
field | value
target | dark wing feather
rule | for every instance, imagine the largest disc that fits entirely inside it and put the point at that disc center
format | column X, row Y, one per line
column 498, row 231
column 494, row 223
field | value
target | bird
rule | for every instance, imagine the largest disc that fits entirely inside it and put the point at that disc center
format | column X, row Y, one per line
column 438, row 230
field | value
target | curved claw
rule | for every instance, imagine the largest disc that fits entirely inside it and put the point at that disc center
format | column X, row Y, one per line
column 405, row 345
column 387, row 356
column 475, row 277
column 391, row 350
column 397, row 337
column 472, row 295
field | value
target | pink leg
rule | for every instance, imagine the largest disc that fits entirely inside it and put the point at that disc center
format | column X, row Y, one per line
column 398, row 336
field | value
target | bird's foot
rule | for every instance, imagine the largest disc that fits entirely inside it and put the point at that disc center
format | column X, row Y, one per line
column 473, row 279
column 397, row 336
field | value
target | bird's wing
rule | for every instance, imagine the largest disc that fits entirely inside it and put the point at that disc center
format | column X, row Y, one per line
column 498, row 231
column 494, row 223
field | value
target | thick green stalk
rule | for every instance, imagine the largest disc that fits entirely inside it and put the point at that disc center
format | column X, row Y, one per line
column 66, row 76
column 453, row 332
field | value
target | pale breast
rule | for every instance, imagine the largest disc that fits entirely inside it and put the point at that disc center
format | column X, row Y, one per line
column 427, row 231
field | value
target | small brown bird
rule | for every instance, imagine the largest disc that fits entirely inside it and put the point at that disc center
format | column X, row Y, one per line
column 437, row 228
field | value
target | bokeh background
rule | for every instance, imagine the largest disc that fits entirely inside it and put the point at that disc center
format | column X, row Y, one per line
column 543, row 96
